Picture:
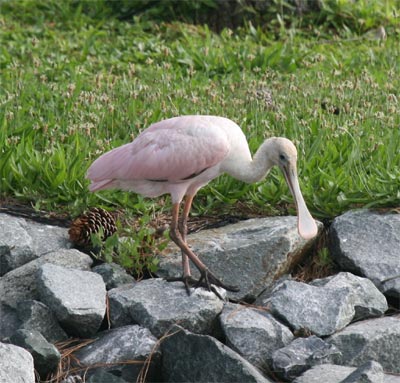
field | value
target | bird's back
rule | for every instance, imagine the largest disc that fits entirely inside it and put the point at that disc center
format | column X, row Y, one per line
column 170, row 150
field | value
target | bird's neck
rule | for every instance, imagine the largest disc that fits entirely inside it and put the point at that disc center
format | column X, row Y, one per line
column 257, row 168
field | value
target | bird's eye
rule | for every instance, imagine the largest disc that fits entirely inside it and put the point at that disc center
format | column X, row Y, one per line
column 282, row 157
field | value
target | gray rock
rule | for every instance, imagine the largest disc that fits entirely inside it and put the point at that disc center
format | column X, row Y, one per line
column 391, row 378
column 20, row 284
column 119, row 301
column 373, row 339
column 16, row 365
column 254, row 334
column 15, row 243
column 78, row 298
column 157, row 304
column 22, row 241
column 320, row 310
column 45, row 356
column 101, row 376
column 250, row 253
column 368, row 244
column 193, row 358
column 368, row 301
column 9, row 321
column 369, row 372
column 118, row 348
column 300, row 355
column 339, row 300
column 326, row 373
column 392, row 286
column 170, row 304
column 263, row 298
column 330, row 373
column 113, row 275
column 37, row 316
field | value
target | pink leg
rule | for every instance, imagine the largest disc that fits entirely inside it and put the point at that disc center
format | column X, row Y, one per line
column 207, row 277
column 176, row 236
column 182, row 226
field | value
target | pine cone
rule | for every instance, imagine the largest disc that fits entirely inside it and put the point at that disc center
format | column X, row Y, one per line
column 89, row 223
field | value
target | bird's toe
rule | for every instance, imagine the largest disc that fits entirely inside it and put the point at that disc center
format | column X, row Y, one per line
column 208, row 279
column 187, row 280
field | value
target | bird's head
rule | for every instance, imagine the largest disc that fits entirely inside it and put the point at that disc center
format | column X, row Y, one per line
column 283, row 154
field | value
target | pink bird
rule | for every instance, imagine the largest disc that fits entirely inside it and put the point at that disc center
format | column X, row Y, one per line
column 180, row 155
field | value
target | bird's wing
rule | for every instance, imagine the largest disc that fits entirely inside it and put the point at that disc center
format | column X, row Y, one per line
column 163, row 153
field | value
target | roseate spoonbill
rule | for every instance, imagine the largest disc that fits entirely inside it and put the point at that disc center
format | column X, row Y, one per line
column 180, row 155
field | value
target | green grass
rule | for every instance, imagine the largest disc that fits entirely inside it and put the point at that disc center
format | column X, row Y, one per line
column 74, row 86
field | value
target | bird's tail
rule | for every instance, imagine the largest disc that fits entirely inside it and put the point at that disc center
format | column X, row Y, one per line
column 100, row 185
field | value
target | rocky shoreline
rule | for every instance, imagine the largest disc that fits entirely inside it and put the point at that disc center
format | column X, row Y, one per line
column 110, row 328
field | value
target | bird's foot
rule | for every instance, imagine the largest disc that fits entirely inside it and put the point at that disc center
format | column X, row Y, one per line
column 207, row 280
column 187, row 280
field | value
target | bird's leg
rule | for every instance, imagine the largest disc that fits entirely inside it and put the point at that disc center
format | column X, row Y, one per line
column 182, row 229
column 178, row 231
column 207, row 277
column 182, row 226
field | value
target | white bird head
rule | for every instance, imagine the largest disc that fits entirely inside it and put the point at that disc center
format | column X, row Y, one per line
column 283, row 154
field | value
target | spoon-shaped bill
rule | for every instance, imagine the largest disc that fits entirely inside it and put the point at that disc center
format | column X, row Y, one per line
column 305, row 222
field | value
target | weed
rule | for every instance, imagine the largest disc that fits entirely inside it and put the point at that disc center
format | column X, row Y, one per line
column 134, row 250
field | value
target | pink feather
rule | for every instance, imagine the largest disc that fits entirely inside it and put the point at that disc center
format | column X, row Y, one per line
column 172, row 150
